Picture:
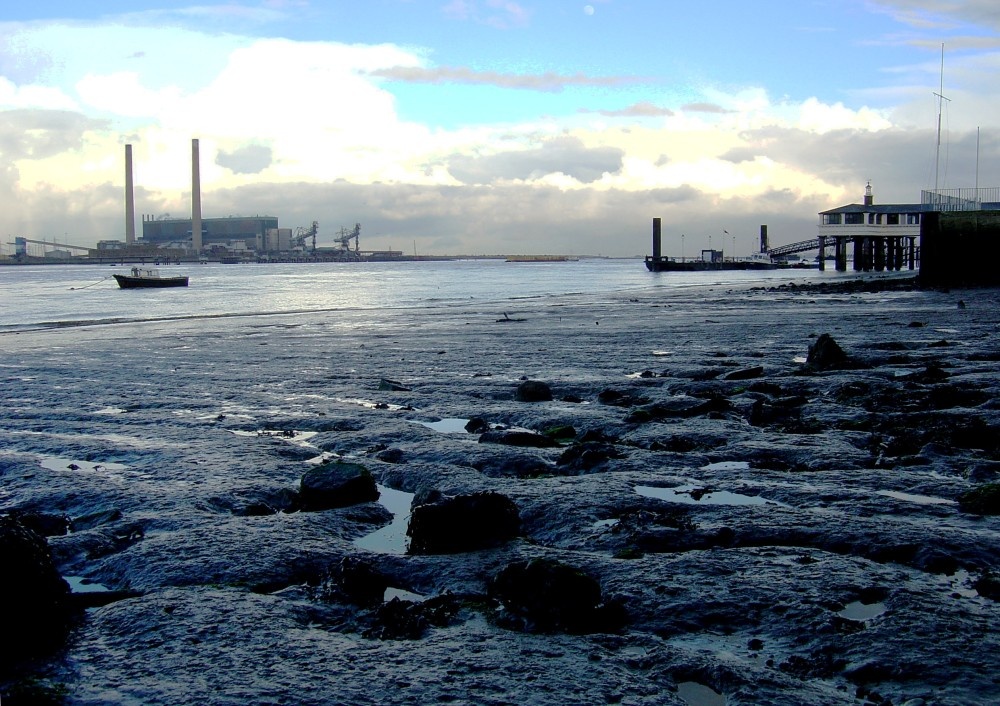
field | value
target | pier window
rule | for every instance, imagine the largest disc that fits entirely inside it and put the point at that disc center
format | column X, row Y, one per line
column 831, row 219
column 892, row 219
column 912, row 219
column 854, row 219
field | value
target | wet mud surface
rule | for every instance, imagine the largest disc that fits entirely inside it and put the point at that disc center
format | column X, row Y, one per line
column 762, row 525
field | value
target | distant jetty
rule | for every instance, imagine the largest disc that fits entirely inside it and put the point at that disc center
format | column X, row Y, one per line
column 540, row 258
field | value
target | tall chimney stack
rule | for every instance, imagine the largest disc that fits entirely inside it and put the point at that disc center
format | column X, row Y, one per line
column 764, row 247
column 195, row 198
column 657, row 247
column 129, row 199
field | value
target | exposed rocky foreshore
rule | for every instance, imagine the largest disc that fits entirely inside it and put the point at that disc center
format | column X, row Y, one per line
column 774, row 495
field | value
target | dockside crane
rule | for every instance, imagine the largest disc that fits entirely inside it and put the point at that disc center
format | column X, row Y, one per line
column 302, row 234
column 344, row 238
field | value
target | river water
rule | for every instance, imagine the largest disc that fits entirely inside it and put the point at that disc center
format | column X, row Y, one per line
column 49, row 296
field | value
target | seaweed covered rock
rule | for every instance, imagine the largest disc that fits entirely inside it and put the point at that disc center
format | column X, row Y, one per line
column 406, row 620
column 984, row 500
column 825, row 353
column 463, row 523
column 34, row 598
column 360, row 581
column 542, row 595
column 586, row 456
column 337, row 484
column 528, row 439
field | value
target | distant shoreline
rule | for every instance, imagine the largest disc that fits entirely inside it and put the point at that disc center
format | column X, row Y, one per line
column 305, row 261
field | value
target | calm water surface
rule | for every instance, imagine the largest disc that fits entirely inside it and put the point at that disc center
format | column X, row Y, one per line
column 38, row 296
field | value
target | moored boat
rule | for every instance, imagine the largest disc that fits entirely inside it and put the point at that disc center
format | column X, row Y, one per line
column 667, row 264
column 141, row 278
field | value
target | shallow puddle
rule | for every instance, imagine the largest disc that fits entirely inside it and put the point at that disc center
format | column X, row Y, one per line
column 390, row 539
column 918, row 499
column 375, row 405
column 56, row 463
column 403, row 595
column 450, row 425
column 862, row 611
column 110, row 410
column 695, row 694
column 961, row 584
column 297, row 438
column 78, row 584
column 727, row 466
column 300, row 438
column 696, row 495
column 115, row 471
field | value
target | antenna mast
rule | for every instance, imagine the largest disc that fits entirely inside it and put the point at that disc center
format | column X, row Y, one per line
column 977, row 163
column 941, row 100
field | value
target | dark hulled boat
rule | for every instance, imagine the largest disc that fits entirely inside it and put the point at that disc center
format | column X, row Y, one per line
column 144, row 278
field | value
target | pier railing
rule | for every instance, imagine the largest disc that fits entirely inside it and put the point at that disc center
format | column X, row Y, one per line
column 965, row 199
column 800, row 246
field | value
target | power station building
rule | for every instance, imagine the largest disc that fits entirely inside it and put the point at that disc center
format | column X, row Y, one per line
column 255, row 232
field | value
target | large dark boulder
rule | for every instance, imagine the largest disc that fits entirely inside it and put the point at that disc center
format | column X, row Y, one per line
column 745, row 373
column 387, row 385
column 360, row 581
column 826, row 353
column 680, row 407
column 337, row 484
column 541, row 595
column 463, row 523
column 618, row 398
column 527, row 439
column 512, row 465
column 44, row 523
column 34, row 599
column 533, row 391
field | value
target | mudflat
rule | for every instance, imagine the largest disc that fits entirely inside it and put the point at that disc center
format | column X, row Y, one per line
column 756, row 495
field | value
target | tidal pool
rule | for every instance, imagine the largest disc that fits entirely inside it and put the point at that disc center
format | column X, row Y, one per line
column 697, row 495
column 861, row 612
column 449, row 425
column 78, row 584
column 919, row 499
column 695, row 694
column 390, row 539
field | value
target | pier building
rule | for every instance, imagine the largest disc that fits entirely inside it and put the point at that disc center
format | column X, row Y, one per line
column 887, row 236
column 883, row 236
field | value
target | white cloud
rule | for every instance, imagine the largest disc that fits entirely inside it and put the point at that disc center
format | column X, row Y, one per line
column 821, row 118
column 123, row 94
column 44, row 97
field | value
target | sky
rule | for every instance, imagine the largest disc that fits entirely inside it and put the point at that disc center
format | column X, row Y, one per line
column 493, row 126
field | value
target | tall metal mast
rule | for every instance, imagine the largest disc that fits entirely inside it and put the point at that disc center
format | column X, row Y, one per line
column 941, row 100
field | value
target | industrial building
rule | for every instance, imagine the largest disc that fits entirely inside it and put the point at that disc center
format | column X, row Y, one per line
column 259, row 233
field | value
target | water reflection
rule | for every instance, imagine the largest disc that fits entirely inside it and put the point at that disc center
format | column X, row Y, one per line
column 390, row 539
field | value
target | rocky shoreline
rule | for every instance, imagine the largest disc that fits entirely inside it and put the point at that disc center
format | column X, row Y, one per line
column 777, row 495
